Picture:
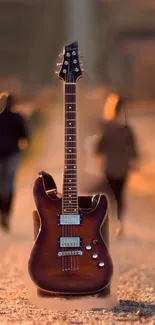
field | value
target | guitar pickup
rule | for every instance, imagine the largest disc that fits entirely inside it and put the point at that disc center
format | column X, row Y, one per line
column 69, row 219
column 69, row 241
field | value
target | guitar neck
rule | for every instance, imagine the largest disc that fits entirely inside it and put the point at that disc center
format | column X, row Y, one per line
column 70, row 195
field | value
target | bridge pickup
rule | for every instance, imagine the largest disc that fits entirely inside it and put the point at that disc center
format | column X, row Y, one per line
column 70, row 241
column 70, row 253
column 70, row 219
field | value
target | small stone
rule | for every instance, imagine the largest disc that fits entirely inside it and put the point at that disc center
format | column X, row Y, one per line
column 139, row 313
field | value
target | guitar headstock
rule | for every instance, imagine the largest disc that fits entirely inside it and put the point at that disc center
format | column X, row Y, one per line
column 70, row 70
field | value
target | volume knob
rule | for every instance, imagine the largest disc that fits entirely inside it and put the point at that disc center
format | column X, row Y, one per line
column 94, row 256
column 88, row 247
column 101, row 264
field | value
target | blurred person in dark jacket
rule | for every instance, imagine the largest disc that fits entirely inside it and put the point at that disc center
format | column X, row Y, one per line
column 13, row 138
column 117, row 151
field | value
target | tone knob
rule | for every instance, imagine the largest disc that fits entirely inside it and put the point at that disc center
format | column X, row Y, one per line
column 101, row 264
column 94, row 241
column 88, row 247
column 94, row 256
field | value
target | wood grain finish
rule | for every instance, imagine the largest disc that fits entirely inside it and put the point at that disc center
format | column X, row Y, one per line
column 45, row 266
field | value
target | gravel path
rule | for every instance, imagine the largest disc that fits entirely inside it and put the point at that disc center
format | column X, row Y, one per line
column 136, row 289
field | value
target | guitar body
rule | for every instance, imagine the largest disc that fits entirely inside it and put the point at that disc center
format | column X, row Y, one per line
column 45, row 266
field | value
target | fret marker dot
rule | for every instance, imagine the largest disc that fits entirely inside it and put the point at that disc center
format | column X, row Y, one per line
column 70, row 202
column 74, row 209
column 69, row 195
column 69, row 180
column 74, row 166
column 69, row 107
column 70, row 138
column 70, row 150
column 70, row 188
column 64, row 209
column 70, row 123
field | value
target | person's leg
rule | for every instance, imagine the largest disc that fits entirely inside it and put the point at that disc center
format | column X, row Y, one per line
column 117, row 187
column 10, row 171
column 120, row 197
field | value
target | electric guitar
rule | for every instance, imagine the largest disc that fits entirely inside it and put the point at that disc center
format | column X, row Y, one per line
column 69, row 256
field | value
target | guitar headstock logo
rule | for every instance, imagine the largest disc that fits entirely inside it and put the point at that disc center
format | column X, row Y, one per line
column 70, row 67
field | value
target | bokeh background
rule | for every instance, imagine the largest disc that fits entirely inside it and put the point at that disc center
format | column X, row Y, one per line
column 117, row 41
column 116, row 38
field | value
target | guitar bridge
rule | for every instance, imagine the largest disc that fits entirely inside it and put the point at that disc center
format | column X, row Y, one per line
column 70, row 253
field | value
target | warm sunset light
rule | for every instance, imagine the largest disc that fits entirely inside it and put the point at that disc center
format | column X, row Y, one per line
column 109, row 106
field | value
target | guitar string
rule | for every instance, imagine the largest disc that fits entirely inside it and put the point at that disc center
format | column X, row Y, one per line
column 77, row 227
column 74, row 96
column 73, row 166
column 74, row 110
column 74, row 163
column 66, row 199
column 71, row 114
column 71, row 159
column 71, row 235
column 63, row 232
column 65, row 226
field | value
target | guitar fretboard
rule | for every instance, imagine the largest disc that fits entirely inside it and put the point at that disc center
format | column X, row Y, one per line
column 70, row 197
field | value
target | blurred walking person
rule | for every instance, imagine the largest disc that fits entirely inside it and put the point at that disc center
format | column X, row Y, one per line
column 13, row 138
column 117, row 151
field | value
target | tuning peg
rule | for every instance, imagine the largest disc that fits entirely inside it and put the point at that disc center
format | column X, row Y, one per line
column 60, row 55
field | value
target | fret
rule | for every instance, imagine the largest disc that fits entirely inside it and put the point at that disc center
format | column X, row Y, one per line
column 67, row 177
column 69, row 83
column 72, row 165
column 66, row 196
column 71, row 148
column 69, row 202
column 70, row 120
column 70, row 171
column 70, row 94
column 71, row 211
column 70, row 103
column 65, row 186
column 70, row 135
column 70, row 153
column 70, row 109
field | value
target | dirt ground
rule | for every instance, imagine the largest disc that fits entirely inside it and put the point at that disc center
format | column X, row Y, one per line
column 136, row 288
